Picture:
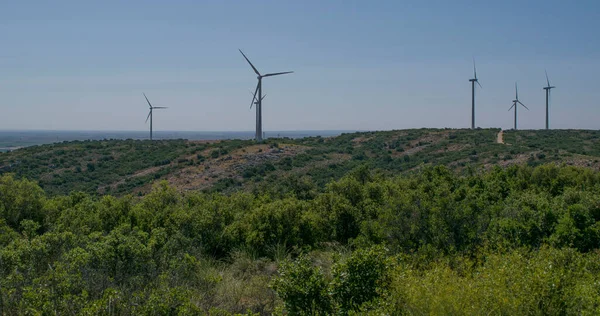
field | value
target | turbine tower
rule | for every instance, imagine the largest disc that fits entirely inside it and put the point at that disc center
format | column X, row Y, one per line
column 473, row 81
column 150, row 114
column 258, row 101
column 547, row 88
column 255, row 102
column 516, row 103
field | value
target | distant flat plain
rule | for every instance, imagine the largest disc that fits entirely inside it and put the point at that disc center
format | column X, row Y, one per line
column 15, row 139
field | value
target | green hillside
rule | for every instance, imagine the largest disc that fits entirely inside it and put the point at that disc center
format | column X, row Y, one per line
column 129, row 166
column 514, row 241
column 428, row 221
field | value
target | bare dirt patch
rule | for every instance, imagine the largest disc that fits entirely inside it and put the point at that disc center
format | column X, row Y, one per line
column 518, row 159
column 425, row 141
column 140, row 173
column 361, row 139
column 230, row 166
column 451, row 148
column 583, row 161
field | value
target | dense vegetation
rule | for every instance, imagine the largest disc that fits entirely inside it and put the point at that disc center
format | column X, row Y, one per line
column 131, row 166
column 109, row 166
column 556, row 142
column 515, row 240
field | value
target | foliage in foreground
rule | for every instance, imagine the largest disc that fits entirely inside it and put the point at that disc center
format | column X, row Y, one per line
column 546, row 282
column 354, row 284
column 519, row 240
column 517, row 282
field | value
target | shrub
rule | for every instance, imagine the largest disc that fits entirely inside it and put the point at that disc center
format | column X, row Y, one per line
column 20, row 200
column 302, row 288
column 360, row 279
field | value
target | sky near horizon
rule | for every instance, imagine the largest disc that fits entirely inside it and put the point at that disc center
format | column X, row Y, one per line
column 359, row 65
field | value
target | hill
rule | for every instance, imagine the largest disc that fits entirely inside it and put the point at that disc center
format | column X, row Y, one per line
column 120, row 167
column 413, row 222
column 516, row 241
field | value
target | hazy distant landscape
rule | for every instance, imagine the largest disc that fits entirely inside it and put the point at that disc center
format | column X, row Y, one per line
column 10, row 140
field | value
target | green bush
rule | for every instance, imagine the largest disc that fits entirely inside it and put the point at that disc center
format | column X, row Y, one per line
column 303, row 288
column 547, row 282
column 360, row 279
column 20, row 200
column 357, row 282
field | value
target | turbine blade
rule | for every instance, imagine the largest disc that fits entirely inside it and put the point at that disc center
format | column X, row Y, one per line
column 248, row 60
column 253, row 99
column 547, row 80
column 160, row 107
column 278, row 73
column 263, row 97
column 474, row 69
column 254, row 96
column 510, row 108
column 479, row 84
column 147, row 100
column 516, row 92
column 523, row 105
column 149, row 113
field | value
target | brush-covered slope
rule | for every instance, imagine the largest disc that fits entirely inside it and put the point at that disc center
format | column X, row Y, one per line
column 512, row 241
column 129, row 166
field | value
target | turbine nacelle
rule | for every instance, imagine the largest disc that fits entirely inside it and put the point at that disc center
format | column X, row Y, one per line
column 548, row 82
column 548, row 89
column 149, row 117
column 255, row 100
column 473, row 81
column 516, row 99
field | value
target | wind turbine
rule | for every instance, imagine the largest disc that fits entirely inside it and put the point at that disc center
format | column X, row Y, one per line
column 150, row 114
column 258, row 101
column 515, row 105
column 547, row 88
column 473, row 81
column 254, row 100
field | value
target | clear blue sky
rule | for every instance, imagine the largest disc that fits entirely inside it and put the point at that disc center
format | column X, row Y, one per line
column 359, row 65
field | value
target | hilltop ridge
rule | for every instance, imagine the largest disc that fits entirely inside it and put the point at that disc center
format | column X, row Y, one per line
column 131, row 166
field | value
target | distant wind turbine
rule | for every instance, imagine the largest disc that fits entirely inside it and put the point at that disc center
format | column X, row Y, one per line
column 547, row 88
column 473, row 81
column 255, row 101
column 516, row 103
column 258, row 101
column 150, row 113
